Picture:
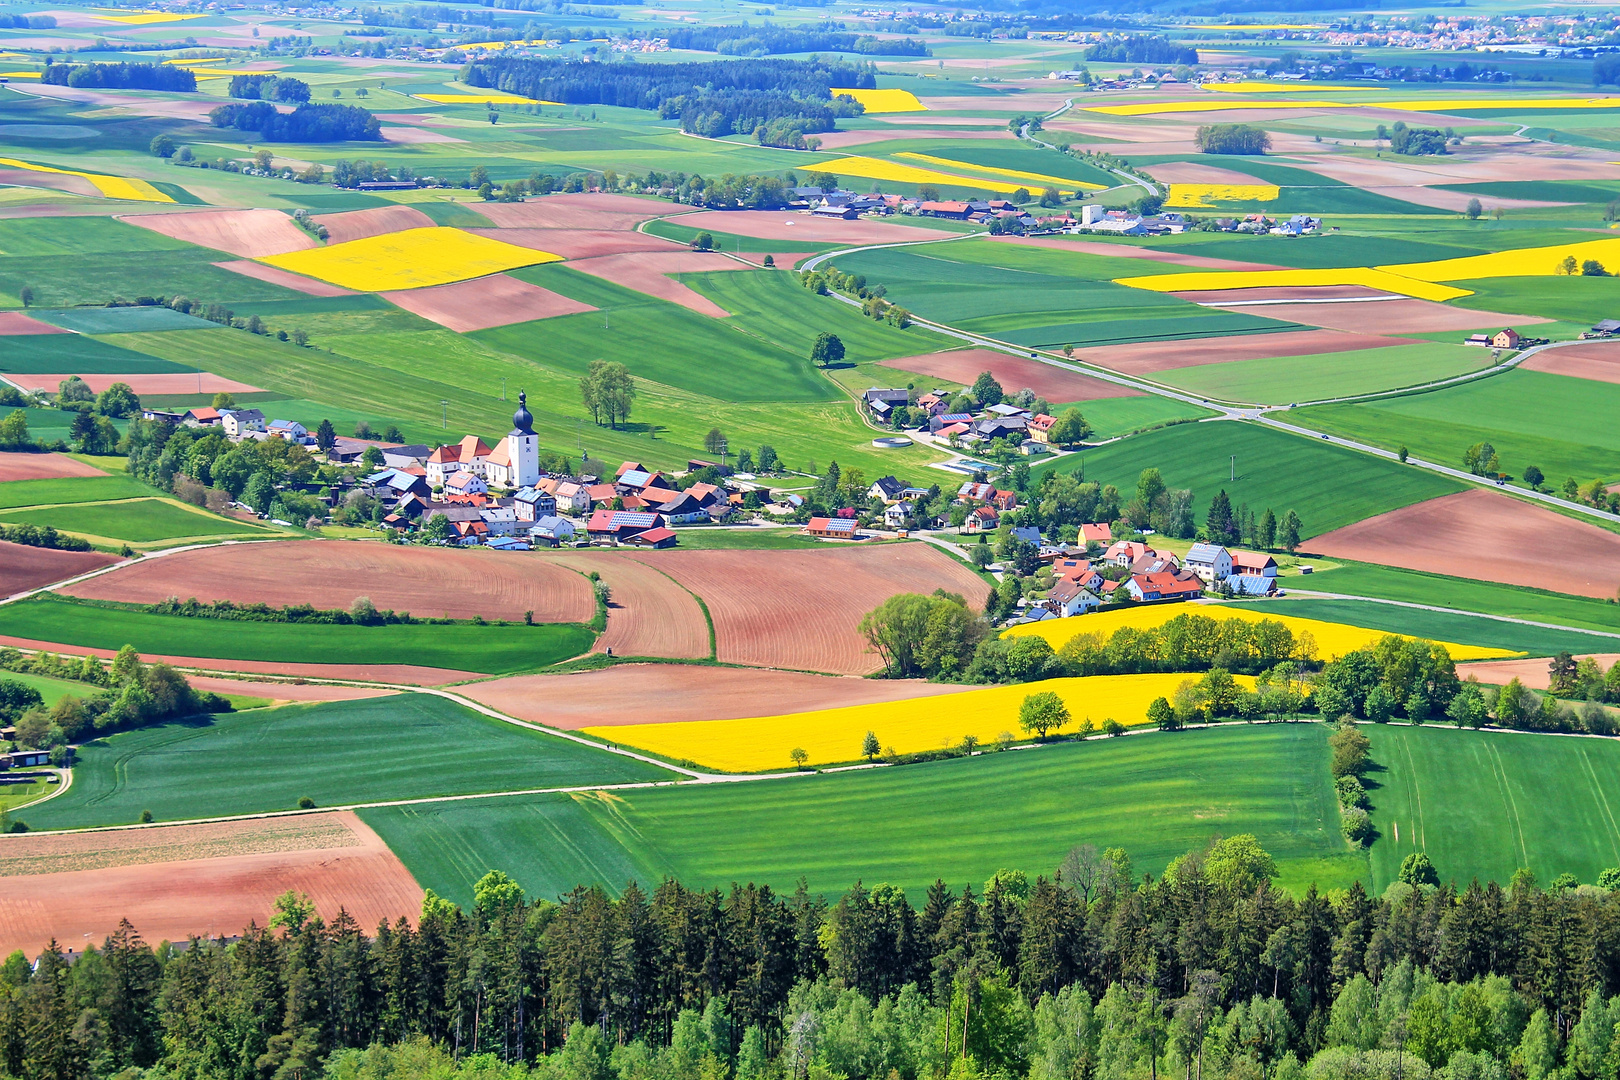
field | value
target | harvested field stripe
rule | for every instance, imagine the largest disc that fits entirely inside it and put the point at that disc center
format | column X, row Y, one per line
column 1039, row 178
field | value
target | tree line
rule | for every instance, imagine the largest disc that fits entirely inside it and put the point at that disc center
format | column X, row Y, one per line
column 121, row 695
column 307, row 123
column 1089, row 973
column 269, row 88
column 1141, row 49
column 121, row 76
column 1231, row 139
column 745, row 40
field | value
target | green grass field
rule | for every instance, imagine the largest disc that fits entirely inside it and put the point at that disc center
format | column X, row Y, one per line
column 1328, row 486
column 53, row 424
column 401, row 747
column 77, row 354
column 122, row 320
column 1462, row 628
column 138, row 521
column 1512, row 601
column 961, row 820
column 1284, row 379
column 1557, row 423
column 52, row 690
column 491, row 650
column 1482, row 804
column 76, row 489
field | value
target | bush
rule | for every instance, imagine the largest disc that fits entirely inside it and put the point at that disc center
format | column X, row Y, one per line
column 1356, row 825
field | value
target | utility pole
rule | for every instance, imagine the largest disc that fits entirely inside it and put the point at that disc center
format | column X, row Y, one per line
column 503, row 389
column 1233, row 475
column 445, row 408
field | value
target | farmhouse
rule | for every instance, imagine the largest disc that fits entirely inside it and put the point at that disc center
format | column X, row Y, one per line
column 1094, row 533
column 882, row 403
column 552, row 531
column 465, row 483
column 1210, row 562
column 653, row 538
column 834, row 529
column 619, row 525
column 532, row 504
column 1040, row 427
column 1164, row 586
column 1071, row 597
column 981, row 519
column 291, row 430
column 239, row 422
column 202, row 416
column 1506, row 339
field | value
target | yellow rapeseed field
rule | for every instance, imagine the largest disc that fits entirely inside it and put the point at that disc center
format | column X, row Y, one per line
column 1515, row 262
column 884, row 101
column 1279, row 88
column 494, row 97
column 1332, row 639
column 1039, row 178
column 19, row 74
column 114, row 187
column 1204, row 195
column 1150, row 108
column 412, row 259
column 879, row 169
column 144, row 18
column 1431, row 105
column 1421, row 280
column 931, row 723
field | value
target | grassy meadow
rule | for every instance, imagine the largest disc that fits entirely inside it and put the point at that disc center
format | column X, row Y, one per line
column 399, row 747
column 145, row 522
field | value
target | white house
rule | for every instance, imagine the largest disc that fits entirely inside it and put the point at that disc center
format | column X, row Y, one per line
column 1069, row 597
column 291, row 430
column 465, row 483
column 532, row 504
column 515, row 461
column 469, row 455
column 502, row 521
column 894, row 516
column 573, row 496
column 1210, row 562
column 238, row 422
column 552, row 530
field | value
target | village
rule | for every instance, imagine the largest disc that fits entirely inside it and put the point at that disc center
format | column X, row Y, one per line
column 468, row 493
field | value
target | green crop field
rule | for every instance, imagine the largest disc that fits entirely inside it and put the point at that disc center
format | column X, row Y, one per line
column 405, row 746
column 491, row 650
column 122, row 320
column 1559, row 424
column 53, row 424
column 76, row 489
column 1510, row 601
column 1284, row 379
column 139, row 521
column 52, row 690
column 75, row 354
column 1483, row 804
column 1328, row 486
column 1574, row 299
column 1155, row 796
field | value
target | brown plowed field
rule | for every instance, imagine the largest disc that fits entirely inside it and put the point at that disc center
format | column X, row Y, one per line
column 649, row 272
column 789, row 225
column 800, row 609
column 1014, row 373
column 359, row 224
column 648, row 614
column 631, row 693
column 1127, row 251
column 248, row 233
column 176, row 382
column 576, row 211
column 17, row 466
column 1532, row 673
column 75, row 185
column 174, row 881
column 402, row 674
column 16, row 323
column 282, row 691
column 23, row 568
column 578, row 243
column 427, row 582
column 286, row 279
column 1599, row 360
column 1485, row 536
column 1393, row 316
column 1146, row 357
column 479, row 304
column 1182, row 172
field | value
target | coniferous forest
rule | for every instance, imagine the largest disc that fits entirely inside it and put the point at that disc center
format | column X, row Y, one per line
column 1089, row 974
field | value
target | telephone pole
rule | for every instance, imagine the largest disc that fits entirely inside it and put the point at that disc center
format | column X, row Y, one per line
column 1233, row 475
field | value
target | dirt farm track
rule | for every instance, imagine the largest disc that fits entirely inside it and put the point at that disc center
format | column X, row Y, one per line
column 427, row 582
column 176, row 880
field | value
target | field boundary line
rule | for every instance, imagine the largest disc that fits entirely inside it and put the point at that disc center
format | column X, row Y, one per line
column 1513, row 805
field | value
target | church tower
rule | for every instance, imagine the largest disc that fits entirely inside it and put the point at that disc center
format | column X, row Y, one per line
column 523, row 446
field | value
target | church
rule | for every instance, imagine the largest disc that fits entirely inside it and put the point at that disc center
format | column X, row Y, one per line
column 515, row 461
